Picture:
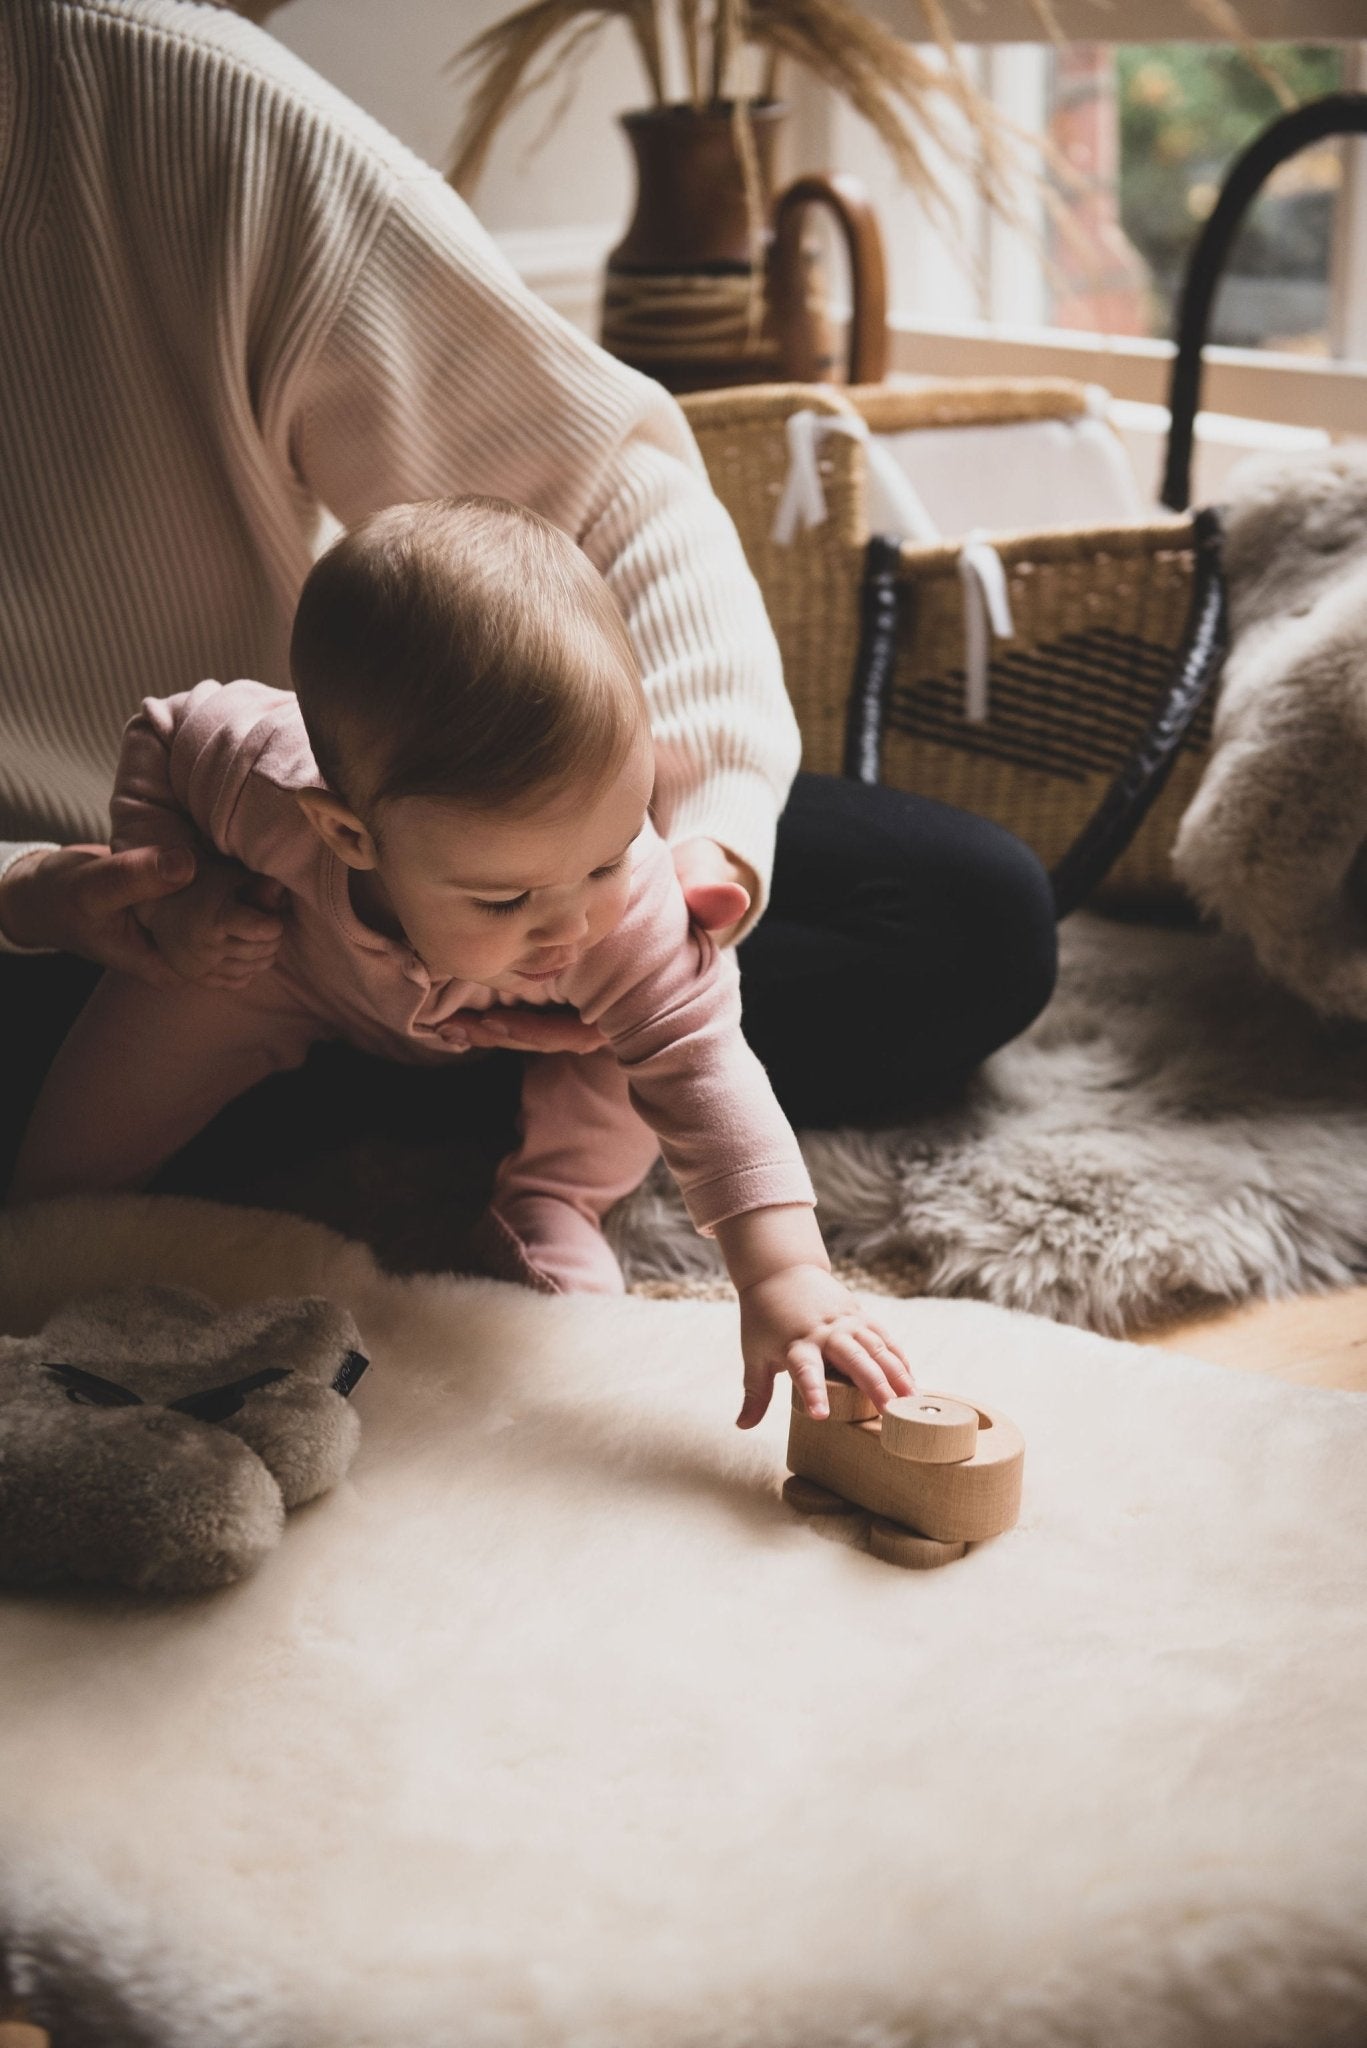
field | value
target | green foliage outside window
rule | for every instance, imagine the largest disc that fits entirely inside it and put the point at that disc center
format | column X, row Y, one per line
column 1185, row 112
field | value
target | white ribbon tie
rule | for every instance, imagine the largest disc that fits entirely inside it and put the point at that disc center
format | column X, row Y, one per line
column 802, row 501
column 986, row 603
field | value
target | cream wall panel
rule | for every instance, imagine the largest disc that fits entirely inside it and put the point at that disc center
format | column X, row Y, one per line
column 391, row 60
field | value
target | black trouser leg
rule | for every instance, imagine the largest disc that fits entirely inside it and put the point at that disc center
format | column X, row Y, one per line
column 904, row 942
column 262, row 1146
column 41, row 996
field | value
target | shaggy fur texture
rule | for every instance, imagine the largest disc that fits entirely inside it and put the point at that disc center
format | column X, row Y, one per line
column 550, row 1727
column 1275, row 842
column 1174, row 1132
column 149, row 1440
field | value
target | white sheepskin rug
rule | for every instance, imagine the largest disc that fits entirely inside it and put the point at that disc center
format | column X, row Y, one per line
column 551, row 1727
column 1174, row 1132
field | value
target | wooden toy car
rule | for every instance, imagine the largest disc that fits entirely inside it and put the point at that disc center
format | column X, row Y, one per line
column 937, row 1474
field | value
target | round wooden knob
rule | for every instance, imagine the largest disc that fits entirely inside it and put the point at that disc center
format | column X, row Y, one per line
column 810, row 1499
column 896, row 1545
column 930, row 1428
column 847, row 1403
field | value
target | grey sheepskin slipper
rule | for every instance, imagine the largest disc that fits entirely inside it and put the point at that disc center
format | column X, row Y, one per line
column 150, row 1439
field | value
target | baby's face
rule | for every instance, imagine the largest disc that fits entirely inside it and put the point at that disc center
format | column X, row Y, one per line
column 512, row 899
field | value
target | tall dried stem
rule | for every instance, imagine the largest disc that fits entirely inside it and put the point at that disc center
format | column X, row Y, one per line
column 690, row 28
column 497, row 63
column 729, row 29
column 928, row 112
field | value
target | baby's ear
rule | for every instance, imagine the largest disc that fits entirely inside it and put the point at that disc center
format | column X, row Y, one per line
column 339, row 828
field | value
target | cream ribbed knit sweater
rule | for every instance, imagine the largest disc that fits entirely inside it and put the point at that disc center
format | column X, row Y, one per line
column 231, row 304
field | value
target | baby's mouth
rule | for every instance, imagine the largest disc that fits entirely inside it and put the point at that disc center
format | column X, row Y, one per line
column 547, row 973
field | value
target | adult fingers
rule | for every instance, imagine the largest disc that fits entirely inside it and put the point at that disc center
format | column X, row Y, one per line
column 716, row 906
column 106, row 886
column 716, row 887
column 530, row 1030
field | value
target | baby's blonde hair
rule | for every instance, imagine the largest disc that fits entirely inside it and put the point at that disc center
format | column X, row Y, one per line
column 462, row 648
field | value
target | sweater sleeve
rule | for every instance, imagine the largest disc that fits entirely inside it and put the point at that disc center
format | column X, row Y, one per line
column 668, row 1002
column 443, row 374
column 11, row 852
column 184, row 765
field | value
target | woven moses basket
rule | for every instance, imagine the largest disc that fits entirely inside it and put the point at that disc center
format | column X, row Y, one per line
column 1106, row 622
column 1088, row 731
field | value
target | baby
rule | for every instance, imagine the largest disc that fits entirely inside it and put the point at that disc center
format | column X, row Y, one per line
column 454, row 806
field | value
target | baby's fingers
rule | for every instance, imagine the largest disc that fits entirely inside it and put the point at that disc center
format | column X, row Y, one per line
column 218, row 978
column 803, row 1361
column 236, row 957
column 890, row 1357
column 851, row 1352
column 241, row 921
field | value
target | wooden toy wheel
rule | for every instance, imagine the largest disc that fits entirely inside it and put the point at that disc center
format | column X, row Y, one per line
column 896, row 1545
column 930, row 1428
column 808, row 1498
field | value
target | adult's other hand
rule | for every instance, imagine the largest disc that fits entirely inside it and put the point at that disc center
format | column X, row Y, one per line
column 717, row 888
column 81, row 899
column 522, row 1027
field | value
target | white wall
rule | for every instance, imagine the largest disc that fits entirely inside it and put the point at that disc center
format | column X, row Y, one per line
column 391, row 58
column 559, row 208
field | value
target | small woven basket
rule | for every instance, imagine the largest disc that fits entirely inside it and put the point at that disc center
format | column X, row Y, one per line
column 873, row 635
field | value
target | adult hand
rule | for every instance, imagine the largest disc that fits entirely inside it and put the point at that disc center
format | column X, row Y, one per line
column 717, row 888
column 522, row 1027
column 81, row 899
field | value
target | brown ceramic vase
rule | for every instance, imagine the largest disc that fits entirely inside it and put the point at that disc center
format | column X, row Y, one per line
column 696, row 299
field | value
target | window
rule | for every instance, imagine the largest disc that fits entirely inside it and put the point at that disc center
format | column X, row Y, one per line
column 1151, row 130
column 1151, row 127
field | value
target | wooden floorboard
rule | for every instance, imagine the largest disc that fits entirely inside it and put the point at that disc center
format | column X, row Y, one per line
column 1316, row 1340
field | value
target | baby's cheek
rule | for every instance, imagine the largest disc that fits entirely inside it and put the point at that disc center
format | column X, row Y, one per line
column 607, row 914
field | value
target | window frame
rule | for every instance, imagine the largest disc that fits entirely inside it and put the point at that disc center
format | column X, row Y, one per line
column 1328, row 393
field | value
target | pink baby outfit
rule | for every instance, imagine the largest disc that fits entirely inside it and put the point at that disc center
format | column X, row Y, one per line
column 144, row 1069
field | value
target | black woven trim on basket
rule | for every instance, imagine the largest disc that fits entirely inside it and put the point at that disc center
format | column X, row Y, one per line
column 1126, row 803
column 1070, row 709
column 1340, row 113
column 876, row 661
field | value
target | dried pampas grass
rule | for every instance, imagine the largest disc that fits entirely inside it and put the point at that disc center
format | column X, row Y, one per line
column 922, row 107
column 497, row 63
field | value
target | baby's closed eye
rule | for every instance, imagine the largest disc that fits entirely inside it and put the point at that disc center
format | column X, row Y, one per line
column 501, row 908
column 509, row 903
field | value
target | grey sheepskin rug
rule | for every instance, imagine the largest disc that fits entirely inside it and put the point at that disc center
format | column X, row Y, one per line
column 1275, row 842
column 1175, row 1132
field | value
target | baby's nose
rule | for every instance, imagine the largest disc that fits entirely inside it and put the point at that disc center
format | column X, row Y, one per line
column 560, row 924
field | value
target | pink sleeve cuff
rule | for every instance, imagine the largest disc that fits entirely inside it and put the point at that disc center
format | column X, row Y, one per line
column 775, row 1185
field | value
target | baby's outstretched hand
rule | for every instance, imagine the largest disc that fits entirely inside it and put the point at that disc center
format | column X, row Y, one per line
column 800, row 1320
column 222, row 930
